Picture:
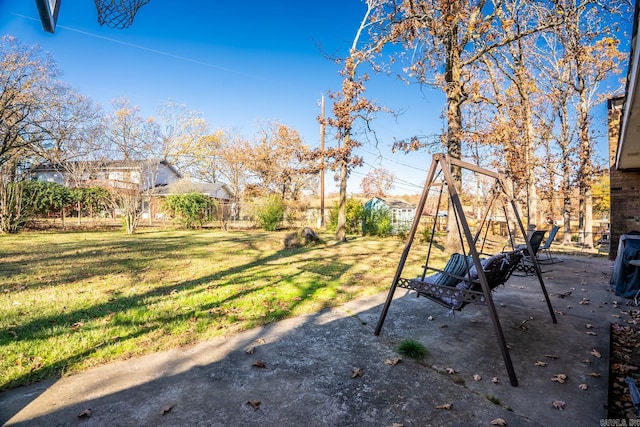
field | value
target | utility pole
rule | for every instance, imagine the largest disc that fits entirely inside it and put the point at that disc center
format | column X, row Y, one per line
column 322, row 162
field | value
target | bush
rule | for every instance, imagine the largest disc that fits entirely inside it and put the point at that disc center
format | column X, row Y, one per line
column 271, row 214
column 354, row 211
column 191, row 210
column 377, row 221
column 425, row 234
column 92, row 200
column 413, row 349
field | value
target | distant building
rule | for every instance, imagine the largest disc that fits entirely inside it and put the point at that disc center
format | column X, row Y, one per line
column 132, row 174
column 402, row 212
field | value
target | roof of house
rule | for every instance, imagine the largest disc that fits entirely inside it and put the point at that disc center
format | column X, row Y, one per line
column 211, row 189
column 395, row 203
column 108, row 164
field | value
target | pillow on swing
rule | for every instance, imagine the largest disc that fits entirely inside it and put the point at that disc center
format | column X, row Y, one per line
column 456, row 266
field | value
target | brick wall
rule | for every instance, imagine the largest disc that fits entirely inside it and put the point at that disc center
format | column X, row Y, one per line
column 625, row 209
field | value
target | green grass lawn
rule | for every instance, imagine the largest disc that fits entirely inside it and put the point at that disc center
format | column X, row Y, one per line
column 69, row 301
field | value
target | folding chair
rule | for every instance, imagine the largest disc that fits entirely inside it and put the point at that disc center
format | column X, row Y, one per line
column 526, row 264
column 546, row 248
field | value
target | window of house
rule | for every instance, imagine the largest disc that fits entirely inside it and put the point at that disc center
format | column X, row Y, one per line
column 115, row 176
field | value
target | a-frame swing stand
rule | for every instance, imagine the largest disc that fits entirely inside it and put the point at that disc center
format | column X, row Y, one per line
column 443, row 162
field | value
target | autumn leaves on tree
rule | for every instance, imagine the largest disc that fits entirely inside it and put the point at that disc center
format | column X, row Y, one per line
column 519, row 79
column 507, row 96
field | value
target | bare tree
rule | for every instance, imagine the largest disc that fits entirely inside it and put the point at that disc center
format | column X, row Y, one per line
column 279, row 162
column 128, row 136
column 592, row 53
column 350, row 106
column 187, row 142
column 25, row 75
column 234, row 157
column 131, row 138
column 443, row 42
column 574, row 60
column 377, row 183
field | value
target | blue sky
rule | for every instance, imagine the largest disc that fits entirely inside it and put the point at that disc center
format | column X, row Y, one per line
column 236, row 62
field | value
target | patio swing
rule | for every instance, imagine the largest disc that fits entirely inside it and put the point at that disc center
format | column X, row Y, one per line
column 466, row 278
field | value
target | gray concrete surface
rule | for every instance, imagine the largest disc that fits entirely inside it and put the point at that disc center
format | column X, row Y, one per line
column 308, row 364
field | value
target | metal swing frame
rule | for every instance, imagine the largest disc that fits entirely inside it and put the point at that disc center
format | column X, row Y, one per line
column 444, row 162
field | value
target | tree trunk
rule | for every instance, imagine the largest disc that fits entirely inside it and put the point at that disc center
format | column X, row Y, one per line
column 453, row 91
column 584, row 172
column 342, row 215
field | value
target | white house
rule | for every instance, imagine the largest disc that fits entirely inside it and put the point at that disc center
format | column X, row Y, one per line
column 402, row 212
column 139, row 174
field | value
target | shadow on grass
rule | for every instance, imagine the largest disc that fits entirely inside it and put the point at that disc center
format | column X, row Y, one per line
column 117, row 312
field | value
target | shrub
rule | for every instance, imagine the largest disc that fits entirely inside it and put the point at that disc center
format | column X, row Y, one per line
column 425, row 234
column 354, row 211
column 271, row 214
column 91, row 200
column 191, row 210
column 377, row 221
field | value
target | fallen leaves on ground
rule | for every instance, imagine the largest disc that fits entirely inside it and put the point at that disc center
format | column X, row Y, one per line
column 624, row 358
column 551, row 356
column 560, row 378
column 259, row 364
column 167, row 409
column 477, row 377
column 446, row 406
column 495, row 380
column 12, row 333
column 540, row 363
column 251, row 350
column 85, row 414
column 583, row 387
column 622, row 368
column 451, row 371
column 255, row 404
column 596, row 353
column 393, row 361
column 559, row 405
column 498, row 422
column 356, row 372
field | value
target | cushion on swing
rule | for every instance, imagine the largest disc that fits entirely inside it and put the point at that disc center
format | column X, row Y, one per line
column 456, row 266
column 494, row 268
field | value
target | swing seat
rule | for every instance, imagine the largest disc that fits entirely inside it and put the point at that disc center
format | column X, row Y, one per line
column 454, row 286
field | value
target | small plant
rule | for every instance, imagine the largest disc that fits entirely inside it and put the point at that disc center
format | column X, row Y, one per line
column 271, row 214
column 425, row 235
column 403, row 232
column 493, row 400
column 412, row 349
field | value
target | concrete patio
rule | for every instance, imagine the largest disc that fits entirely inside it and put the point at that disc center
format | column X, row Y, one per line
column 329, row 369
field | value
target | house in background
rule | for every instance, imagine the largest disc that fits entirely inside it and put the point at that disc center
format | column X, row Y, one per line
column 144, row 176
column 131, row 174
column 402, row 212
